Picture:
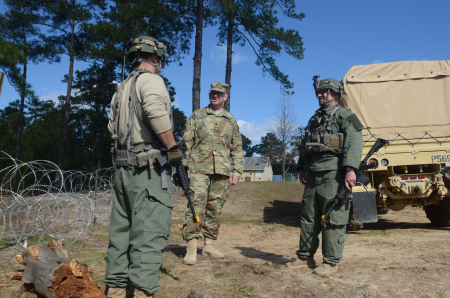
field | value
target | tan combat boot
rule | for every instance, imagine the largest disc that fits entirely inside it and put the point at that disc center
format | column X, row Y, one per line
column 326, row 269
column 191, row 252
column 116, row 292
column 302, row 263
column 138, row 293
column 210, row 250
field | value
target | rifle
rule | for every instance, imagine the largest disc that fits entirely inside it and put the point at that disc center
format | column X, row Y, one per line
column 181, row 178
column 342, row 195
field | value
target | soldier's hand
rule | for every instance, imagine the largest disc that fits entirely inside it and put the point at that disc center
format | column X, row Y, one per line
column 174, row 156
column 234, row 180
column 302, row 177
column 350, row 180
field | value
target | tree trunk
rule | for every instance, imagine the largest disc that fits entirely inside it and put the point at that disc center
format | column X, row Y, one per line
column 229, row 57
column 22, row 104
column 21, row 121
column 65, row 129
column 51, row 273
column 100, row 151
column 197, row 57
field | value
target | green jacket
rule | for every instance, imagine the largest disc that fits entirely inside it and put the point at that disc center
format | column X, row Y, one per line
column 343, row 121
column 210, row 137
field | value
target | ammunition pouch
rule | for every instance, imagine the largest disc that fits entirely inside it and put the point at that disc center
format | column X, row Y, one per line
column 139, row 156
column 322, row 141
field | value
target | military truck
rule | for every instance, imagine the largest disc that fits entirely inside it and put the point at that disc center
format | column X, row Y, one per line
column 408, row 104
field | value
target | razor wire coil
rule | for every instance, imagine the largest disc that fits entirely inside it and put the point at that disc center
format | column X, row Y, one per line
column 40, row 203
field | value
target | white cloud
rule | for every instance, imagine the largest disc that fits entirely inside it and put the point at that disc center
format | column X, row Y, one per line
column 219, row 53
column 376, row 61
column 254, row 131
column 176, row 102
column 53, row 96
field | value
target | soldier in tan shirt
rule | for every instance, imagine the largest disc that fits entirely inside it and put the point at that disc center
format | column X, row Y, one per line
column 141, row 127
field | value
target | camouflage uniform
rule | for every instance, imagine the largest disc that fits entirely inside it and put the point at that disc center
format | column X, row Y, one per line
column 325, row 175
column 210, row 135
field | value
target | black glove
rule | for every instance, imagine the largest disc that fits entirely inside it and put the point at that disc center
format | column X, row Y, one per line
column 174, row 156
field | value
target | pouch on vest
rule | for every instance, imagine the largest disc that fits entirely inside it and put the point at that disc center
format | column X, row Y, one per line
column 142, row 159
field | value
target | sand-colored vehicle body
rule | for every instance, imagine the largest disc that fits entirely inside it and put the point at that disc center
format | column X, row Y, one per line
column 408, row 104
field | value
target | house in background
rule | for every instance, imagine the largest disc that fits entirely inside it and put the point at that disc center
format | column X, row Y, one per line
column 257, row 169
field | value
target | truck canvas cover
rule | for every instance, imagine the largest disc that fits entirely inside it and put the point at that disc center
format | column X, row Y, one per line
column 410, row 98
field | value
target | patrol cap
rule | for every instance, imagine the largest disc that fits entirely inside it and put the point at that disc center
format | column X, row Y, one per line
column 220, row 87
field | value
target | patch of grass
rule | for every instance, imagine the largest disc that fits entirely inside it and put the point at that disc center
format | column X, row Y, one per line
column 4, row 243
column 177, row 221
column 102, row 237
column 235, row 220
column 233, row 283
column 372, row 233
column 93, row 258
column 443, row 294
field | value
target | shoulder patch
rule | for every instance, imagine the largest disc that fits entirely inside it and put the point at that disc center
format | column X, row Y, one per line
column 353, row 119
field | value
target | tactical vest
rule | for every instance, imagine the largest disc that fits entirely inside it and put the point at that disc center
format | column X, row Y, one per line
column 134, row 155
column 319, row 137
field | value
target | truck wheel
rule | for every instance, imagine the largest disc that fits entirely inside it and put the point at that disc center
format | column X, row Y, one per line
column 382, row 210
column 439, row 215
column 352, row 225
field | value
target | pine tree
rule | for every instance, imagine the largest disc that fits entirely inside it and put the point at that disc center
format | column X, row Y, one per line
column 67, row 24
column 255, row 22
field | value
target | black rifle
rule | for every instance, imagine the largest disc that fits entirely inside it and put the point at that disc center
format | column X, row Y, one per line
column 181, row 178
column 342, row 194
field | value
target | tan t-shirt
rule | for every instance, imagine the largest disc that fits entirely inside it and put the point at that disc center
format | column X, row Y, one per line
column 155, row 102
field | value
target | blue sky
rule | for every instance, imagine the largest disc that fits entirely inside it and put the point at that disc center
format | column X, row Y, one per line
column 336, row 34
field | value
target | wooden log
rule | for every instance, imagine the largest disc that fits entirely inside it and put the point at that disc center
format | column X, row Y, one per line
column 15, row 276
column 50, row 272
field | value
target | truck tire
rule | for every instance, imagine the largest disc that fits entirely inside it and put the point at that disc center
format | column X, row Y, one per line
column 382, row 210
column 440, row 215
column 353, row 226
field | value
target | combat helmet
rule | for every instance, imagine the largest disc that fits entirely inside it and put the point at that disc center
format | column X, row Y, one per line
column 145, row 44
column 328, row 84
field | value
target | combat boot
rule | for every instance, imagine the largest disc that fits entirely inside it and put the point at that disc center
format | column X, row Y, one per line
column 116, row 292
column 326, row 269
column 191, row 252
column 138, row 293
column 302, row 263
column 210, row 250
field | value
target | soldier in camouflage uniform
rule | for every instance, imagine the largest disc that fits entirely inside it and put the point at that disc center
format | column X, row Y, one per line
column 141, row 126
column 330, row 153
column 211, row 134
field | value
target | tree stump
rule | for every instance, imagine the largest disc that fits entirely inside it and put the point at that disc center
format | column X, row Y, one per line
column 50, row 272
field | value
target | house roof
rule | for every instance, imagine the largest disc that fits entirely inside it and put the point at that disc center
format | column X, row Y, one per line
column 255, row 163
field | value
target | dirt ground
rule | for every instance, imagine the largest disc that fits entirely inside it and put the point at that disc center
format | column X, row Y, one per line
column 402, row 255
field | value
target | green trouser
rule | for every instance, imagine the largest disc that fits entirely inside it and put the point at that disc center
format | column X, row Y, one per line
column 320, row 188
column 139, row 228
column 211, row 193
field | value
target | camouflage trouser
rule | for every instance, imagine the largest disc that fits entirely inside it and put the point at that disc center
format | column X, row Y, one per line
column 211, row 193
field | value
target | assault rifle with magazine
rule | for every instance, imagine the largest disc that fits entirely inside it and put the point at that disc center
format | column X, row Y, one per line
column 181, row 178
column 364, row 166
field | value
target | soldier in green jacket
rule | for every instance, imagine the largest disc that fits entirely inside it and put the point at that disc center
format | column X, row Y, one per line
column 330, row 153
column 211, row 135
column 141, row 126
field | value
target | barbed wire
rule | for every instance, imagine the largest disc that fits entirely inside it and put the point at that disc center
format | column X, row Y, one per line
column 39, row 203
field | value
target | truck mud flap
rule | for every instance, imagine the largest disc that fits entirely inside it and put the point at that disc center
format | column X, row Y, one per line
column 365, row 207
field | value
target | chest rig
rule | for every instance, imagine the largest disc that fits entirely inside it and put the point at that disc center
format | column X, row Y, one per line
column 133, row 155
column 319, row 137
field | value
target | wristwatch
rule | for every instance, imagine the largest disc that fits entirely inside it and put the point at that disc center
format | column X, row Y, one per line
column 350, row 169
